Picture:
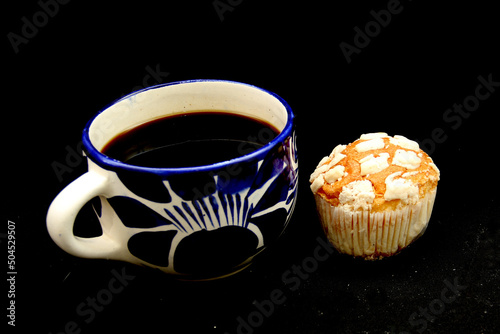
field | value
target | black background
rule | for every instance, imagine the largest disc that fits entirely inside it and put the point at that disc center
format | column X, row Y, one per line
column 426, row 59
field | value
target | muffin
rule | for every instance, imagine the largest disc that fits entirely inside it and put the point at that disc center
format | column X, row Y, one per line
column 375, row 196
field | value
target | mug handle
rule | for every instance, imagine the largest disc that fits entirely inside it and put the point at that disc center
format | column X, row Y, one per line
column 62, row 214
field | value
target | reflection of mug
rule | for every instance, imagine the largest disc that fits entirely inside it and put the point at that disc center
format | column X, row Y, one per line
column 194, row 222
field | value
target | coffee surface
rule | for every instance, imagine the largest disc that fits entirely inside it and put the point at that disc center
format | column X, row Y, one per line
column 188, row 140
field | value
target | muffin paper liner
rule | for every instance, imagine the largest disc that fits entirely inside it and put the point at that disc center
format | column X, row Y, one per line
column 374, row 235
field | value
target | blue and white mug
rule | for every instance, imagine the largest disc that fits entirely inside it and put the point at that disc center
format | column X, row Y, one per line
column 196, row 222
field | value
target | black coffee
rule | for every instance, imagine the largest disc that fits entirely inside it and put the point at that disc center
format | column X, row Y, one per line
column 187, row 140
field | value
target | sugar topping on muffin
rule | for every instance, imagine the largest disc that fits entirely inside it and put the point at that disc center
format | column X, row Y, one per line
column 375, row 172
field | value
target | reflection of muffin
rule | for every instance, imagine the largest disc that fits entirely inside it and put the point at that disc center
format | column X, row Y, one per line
column 375, row 195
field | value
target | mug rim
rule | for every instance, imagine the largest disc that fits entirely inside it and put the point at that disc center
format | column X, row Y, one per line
column 109, row 163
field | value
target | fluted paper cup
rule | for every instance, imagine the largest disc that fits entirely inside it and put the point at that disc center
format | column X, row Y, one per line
column 374, row 235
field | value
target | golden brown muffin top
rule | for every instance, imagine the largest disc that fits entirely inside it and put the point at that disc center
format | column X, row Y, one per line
column 376, row 172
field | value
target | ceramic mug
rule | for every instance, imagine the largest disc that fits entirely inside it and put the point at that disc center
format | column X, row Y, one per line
column 195, row 222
